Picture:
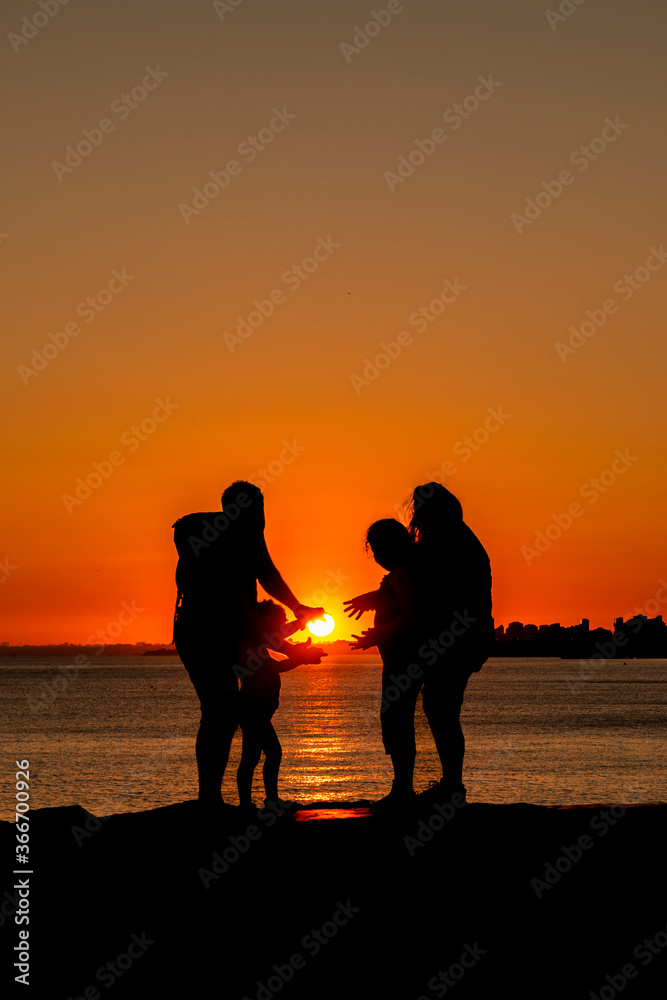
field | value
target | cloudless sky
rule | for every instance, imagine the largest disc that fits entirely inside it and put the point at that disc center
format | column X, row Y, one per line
column 328, row 179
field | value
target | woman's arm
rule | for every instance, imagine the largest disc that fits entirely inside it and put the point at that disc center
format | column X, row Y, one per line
column 358, row 605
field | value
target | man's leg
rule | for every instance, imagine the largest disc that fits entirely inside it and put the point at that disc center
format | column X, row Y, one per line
column 217, row 688
column 403, row 763
column 214, row 740
column 252, row 751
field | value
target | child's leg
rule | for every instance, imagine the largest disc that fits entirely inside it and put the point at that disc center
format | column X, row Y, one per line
column 397, row 720
column 273, row 755
column 250, row 754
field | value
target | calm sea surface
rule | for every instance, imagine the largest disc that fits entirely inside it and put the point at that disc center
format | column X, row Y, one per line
column 119, row 736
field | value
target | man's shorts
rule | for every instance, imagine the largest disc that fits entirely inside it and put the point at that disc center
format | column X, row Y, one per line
column 211, row 670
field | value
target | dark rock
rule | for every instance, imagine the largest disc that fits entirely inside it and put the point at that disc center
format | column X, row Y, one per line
column 523, row 899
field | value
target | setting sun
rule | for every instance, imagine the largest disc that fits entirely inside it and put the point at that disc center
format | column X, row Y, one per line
column 323, row 626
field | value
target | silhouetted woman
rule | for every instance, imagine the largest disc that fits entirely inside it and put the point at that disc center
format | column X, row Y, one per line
column 457, row 625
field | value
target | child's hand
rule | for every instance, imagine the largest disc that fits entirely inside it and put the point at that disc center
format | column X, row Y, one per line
column 307, row 653
column 367, row 639
column 358, row 605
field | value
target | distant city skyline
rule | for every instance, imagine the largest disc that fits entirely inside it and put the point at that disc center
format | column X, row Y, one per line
column 518, row 629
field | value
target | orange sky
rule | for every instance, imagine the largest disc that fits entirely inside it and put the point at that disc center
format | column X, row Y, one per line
column 326, row 180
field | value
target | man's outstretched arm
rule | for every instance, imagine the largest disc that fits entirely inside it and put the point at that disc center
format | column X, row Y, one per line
column 273, row 583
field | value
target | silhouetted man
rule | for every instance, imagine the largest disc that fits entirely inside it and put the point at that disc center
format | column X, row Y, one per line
column 222, row 556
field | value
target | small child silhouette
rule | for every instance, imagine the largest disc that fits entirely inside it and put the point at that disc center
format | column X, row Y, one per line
column 397, row 607
column 260, row 696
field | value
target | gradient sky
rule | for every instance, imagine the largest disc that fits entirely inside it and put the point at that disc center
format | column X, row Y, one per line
column 360, row 450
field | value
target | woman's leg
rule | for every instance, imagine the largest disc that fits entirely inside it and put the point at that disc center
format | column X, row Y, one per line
column 443, row 698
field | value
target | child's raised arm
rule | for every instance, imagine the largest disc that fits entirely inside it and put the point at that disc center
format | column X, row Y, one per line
column 297, row 653
column 409, row 601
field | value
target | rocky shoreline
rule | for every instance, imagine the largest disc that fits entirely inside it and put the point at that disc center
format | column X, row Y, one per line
column 334, row 902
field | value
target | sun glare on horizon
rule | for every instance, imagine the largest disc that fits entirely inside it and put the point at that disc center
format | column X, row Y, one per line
column 323, row 626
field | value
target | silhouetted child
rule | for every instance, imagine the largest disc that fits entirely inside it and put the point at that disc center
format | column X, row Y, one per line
column 397, row 609
column 260, row 696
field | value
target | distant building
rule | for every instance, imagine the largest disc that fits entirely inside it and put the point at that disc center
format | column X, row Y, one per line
column 514, row 630
column 637, row 637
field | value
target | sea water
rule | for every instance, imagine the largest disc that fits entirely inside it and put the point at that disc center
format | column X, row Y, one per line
column 119, row 735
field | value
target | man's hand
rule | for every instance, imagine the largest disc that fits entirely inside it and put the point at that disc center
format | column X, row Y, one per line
column 304, row 614
column 367, row 639
column 364, row 602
